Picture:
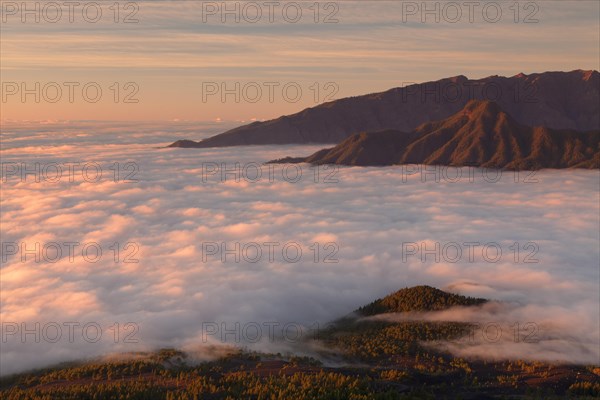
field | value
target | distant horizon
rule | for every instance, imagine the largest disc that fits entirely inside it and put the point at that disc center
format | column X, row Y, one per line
column 250, row 120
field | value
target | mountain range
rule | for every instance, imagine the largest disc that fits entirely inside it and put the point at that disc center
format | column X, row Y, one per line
column 481, row 134
column 555, row 100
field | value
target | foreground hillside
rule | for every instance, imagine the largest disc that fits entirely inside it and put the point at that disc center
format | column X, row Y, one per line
column 479, row 135
column 374, row 359
column 558, row 100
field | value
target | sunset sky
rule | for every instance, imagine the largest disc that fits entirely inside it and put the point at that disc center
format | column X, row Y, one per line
column 171, row 54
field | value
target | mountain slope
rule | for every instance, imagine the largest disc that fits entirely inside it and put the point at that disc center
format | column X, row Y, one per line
column 560, row 100
column 481, row 135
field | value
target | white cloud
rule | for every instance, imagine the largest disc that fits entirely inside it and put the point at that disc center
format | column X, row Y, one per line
column 171, row 211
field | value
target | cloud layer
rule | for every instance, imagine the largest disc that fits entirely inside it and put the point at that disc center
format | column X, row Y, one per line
column 371, row 214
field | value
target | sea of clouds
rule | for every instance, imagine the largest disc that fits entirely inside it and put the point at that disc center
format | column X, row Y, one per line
column 167, row 207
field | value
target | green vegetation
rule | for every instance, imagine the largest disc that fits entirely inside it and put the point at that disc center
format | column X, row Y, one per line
column 418, row 298
column 375, row 340
column 381, row 360
column 261, row 376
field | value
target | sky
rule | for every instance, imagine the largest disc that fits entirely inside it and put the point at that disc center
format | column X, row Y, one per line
column 192, row 60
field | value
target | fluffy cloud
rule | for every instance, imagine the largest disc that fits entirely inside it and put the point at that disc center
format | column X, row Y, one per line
column 161, row 221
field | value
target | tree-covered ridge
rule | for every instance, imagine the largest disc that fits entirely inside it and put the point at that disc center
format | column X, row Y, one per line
column 418, row 298
column 355, row 358
column 422, row 375
column 374, row 341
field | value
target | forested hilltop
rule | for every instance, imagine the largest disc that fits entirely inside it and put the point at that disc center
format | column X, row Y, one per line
column 374, row 359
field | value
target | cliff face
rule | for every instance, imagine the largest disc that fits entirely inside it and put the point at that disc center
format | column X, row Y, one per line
column 558, row 100
column 481, row 134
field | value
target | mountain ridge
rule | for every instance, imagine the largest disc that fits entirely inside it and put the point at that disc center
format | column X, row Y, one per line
column 558, row 100
column 479, row 135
